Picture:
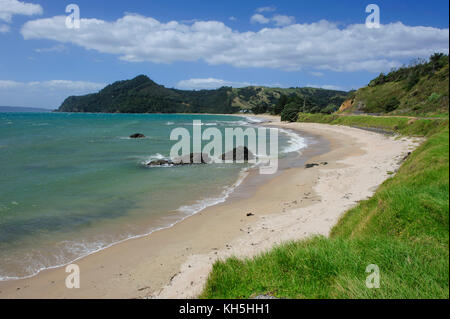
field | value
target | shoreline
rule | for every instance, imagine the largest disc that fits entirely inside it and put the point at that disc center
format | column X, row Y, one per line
column 174, row 262
column 228, row 192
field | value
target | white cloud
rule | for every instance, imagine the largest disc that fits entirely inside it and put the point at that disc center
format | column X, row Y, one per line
column 53, row 85
column 55, row 48
column 4, row 28
column 8, row 8
column 320, row 46
column 47, row 93
column 327, row 87
column 5, row 84
column 318, row 74
column 279, row 20
column 283, row 20
column 259, row 18
column 232, row 18
column 266, row 9
column 208, row 83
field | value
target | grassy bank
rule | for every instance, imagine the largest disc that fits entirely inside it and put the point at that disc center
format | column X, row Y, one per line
column 399, row 125
column 403, row 228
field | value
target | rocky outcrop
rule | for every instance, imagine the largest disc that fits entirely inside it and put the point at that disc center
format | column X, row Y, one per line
column 137, row 135
column 240, row 153
column 193, row 158
column 190, row 159
column 348, row 104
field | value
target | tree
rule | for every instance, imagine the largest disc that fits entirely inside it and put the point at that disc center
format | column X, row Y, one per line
column 290, row 112
column 280, row 105
column 331, row 108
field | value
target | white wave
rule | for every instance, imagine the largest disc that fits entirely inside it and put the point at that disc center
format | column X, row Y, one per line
column 255, row 119
column 233, row 123
column 134, row 139
column 295, row 142
column 154, row 157
column 208, row 202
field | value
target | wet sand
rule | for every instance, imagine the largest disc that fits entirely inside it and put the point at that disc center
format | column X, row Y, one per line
column 295, row 204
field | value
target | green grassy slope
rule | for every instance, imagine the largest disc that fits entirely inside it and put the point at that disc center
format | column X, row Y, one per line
column 403, row 228
column 420, row 89
column 399, row 125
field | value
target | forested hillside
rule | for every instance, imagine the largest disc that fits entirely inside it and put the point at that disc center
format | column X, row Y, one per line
column 142, row 95
column 273, row 100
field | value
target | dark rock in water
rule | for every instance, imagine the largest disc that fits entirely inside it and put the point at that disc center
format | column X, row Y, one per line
column 137, row 135
column 160, row 162
column 238, row 154
column 190, row 159
column 193, row 158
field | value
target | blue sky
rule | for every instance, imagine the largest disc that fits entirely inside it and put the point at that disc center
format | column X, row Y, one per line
column 206, row 44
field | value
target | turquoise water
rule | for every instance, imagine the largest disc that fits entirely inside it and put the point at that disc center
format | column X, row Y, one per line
column 71, row 184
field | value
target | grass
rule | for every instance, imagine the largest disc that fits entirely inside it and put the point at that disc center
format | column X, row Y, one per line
column 403, row 228
column 399, row 125
column 426, row 98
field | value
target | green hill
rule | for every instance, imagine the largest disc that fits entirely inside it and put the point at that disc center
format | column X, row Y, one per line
column 258, row 99
column 142, row 95
column 420, row 89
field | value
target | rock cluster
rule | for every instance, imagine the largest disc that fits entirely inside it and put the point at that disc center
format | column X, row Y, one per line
column 237, row 154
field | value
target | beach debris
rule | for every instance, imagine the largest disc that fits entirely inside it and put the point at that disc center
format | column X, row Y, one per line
column 137, row 135
column 406, row 157
column 240, row 153
column 171, row 278
column 250, row 214
column 311, row 165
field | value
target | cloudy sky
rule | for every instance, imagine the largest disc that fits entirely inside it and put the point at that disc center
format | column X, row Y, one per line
column 207, row 44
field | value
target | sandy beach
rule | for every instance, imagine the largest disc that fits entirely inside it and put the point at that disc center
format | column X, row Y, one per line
column 297, row 203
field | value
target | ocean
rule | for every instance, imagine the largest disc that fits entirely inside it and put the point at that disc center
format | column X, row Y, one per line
column 73, row 184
